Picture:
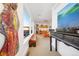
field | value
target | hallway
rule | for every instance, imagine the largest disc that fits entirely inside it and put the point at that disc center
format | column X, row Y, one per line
column 42, row 48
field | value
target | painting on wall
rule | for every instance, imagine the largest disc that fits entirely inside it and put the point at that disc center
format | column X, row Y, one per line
column 68, row 17
column 9, row 25
column 68, row 25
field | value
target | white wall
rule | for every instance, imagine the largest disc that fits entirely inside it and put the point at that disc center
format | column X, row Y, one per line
column 23, row 42
column 63, row 49
column 33, row 26
column 20, row 33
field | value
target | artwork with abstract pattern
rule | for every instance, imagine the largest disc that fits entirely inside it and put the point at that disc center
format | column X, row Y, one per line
column 9, row 25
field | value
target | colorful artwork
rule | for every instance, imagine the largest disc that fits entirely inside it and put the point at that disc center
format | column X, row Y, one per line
column 9, row 28
column 69, row 16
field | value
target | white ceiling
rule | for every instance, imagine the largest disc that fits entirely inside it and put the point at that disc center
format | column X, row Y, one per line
column 40, row 12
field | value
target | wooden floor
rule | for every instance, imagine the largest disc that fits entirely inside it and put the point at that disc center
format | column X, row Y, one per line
column 42, row 48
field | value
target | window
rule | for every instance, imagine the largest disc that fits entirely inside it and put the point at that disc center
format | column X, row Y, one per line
column 26, row 23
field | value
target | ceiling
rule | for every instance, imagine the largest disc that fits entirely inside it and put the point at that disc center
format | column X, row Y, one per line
column 40, row 12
